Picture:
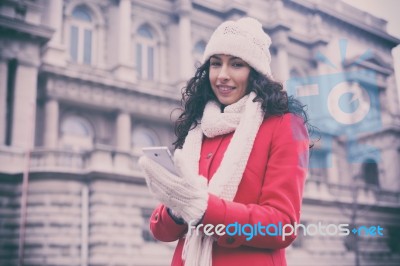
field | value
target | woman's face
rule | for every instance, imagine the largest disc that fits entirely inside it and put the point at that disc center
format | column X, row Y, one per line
column 229, row 77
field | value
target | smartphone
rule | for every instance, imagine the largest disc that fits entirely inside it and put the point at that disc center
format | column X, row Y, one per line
column 162, row 156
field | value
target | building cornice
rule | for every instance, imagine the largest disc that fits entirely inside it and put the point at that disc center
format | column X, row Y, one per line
column 97, row 163
column 379, row 67
column 335, row 9
column 89, row 74
column 221, row 8
column 110, row 95
column 313, row 41
column 10, row 26
column 158, row 6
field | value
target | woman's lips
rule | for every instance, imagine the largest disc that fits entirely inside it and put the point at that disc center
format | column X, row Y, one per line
column 225, row 90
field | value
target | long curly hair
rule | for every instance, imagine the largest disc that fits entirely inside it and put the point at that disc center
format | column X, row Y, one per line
column 197, row 92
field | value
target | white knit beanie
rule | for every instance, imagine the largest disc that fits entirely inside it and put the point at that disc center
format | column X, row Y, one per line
column 243, row 38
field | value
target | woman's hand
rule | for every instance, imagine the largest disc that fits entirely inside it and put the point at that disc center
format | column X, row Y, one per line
column 186, row 196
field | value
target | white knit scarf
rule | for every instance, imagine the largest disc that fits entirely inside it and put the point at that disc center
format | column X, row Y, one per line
column 244, row 117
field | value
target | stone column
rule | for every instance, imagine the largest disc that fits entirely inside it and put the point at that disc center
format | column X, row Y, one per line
column 85, row 225
column 332, row 171
column 123, row 132
column 322, row 71
column 124, row 69
column 392, row 96
column 124, row 37
column 283, row 63
column 3, row 99
column 55, row 19
column 389, row 177
column 51, row 124
column 122, row 156
column 280, row 41
column 100, row 47
column 54, row 52
column 23, row 126
column 185, row 40
column 163, row 76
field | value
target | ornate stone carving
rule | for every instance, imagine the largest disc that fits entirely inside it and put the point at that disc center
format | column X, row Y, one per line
column 111, row 98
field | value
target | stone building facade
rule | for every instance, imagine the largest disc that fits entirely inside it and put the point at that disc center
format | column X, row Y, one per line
column 85, row 84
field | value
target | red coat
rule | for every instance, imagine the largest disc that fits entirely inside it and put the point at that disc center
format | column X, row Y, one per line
column 269, row 192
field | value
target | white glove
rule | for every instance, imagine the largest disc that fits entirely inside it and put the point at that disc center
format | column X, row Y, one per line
column 186, row 196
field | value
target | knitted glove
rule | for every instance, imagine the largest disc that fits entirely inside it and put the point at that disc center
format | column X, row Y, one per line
column 186, row 196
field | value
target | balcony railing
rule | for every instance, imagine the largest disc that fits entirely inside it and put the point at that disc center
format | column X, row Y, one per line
column 105, row 160
column 347, row 193
column 101, row 159
column 58, row 160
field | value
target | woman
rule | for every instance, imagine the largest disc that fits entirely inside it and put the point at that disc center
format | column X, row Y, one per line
column 241, row 154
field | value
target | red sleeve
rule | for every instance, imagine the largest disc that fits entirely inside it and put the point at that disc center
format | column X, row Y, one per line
column 281, row 192
column 163, row 227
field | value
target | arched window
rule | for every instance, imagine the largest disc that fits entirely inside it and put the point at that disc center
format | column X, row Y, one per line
column 146, row 53
column 370, row 172
column 81, row 35
column 143, row 137
column 76, row 126
column 76, row 133
column 198, row 52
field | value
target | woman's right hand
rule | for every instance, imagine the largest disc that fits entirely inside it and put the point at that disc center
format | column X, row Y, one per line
column 186, row 197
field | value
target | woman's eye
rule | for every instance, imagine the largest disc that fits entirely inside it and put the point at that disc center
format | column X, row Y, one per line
column 237, row 64
column 215, row 63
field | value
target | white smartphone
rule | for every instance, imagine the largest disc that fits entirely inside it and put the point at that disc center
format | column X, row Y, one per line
column 162, row 156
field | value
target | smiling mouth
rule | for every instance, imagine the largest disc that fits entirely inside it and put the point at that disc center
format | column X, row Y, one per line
column 225, row 89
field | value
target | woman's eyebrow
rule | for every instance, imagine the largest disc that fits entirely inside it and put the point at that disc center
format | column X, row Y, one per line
column 215, row 57
column 236, row 58
column 232, row 58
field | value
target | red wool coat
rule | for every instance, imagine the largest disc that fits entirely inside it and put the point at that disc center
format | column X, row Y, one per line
column 269, row 192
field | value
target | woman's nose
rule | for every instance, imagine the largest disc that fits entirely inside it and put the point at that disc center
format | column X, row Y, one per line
column 223, row 74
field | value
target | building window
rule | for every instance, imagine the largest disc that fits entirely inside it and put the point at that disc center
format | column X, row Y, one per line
column 146, row 58
column 370, row 172
column 146, row 234
column 301, row 233
column 198, row 52
column 76, row 126
column 81, row 36
column 144, row 137
column 76, row 134
column 11, row 74
column 393, row 238
column 318, row 165
column 294, row 73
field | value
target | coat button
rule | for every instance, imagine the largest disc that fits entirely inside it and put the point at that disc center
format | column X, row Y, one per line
column 209, row 155
column 230, row 240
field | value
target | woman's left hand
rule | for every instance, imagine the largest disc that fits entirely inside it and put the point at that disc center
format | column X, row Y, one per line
column 186, row 197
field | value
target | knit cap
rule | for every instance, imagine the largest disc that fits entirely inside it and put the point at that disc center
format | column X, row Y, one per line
column 244, row 38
